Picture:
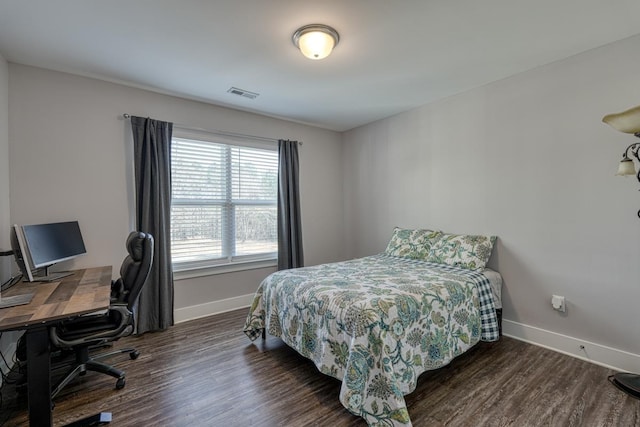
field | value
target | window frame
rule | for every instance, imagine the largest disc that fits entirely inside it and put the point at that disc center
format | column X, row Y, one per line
column 231, row 263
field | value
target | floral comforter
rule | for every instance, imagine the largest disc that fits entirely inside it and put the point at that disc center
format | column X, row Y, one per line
column 376, row 323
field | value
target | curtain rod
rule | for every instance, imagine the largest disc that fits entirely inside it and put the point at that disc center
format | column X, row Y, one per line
column 221, row 133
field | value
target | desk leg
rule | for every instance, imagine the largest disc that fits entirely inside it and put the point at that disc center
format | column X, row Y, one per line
column 39, row 377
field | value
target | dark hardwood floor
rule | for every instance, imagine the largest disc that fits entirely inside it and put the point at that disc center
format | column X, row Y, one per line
column 207, row 373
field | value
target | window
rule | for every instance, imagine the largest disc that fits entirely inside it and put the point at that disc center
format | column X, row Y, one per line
column 223, row 202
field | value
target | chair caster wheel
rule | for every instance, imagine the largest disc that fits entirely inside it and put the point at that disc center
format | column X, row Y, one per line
column 120, row 384
column 134, row 355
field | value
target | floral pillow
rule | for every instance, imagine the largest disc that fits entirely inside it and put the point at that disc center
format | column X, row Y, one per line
column 412, row 243
column 463, row 251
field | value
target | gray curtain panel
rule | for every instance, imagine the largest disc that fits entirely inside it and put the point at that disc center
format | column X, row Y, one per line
column 152, row 156
column 290, row 253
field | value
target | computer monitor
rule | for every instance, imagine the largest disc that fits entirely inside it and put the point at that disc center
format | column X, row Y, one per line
column 20, row 253
column 39, row 246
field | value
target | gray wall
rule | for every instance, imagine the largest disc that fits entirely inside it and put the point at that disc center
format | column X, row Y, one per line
column 8, row 340
column 5, row 264
column 70, row 155
column 529, row 160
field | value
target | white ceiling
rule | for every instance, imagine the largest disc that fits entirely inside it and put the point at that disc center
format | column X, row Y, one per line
column 393, row 55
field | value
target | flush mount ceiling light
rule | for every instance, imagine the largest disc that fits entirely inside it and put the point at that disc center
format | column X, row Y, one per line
column 315, row 41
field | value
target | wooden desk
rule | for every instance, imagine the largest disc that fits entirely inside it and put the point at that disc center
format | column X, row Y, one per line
column 85, row 291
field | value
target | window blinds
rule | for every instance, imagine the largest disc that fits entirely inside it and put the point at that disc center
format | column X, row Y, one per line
column 223, row 201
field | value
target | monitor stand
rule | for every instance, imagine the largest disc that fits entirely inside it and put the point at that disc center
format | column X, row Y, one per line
column 50, row 276
column 15, row 300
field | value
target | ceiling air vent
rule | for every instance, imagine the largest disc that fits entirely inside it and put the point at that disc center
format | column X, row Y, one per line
column 242, row 92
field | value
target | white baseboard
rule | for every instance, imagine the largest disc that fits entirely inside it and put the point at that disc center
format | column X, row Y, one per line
column 591, row 352
column 213, row 307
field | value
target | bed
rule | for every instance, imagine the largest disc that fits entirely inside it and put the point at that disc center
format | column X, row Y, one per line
column 376, row 323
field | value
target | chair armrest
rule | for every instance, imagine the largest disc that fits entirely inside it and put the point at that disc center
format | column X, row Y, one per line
column 117, row 291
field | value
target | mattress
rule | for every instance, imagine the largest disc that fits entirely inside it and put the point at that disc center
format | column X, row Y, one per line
column 495, row 281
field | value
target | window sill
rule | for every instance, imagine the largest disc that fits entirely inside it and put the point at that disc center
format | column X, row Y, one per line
column 211, row 270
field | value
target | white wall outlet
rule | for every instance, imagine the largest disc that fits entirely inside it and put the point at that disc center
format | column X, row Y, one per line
column 558, row 303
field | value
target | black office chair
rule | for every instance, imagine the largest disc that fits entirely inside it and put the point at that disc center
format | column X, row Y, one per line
column 85, row 332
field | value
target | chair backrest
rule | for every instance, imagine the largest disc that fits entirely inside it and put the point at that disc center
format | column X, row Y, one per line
column 136, row 266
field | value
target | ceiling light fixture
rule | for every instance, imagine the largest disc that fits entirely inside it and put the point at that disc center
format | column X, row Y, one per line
column 315, row 41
